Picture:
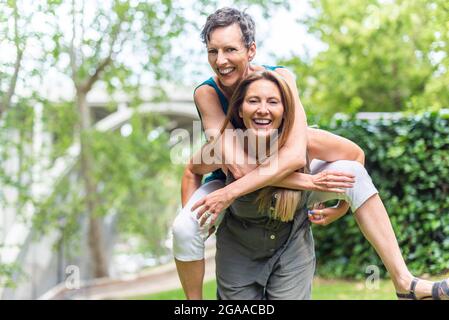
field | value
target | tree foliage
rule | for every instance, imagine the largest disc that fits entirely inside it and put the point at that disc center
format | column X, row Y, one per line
column 378, row 56
column 121, row 47
column 136, row 185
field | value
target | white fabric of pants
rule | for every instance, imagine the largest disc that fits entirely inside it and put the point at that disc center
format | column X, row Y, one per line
column 362, row 190
column 189, row 237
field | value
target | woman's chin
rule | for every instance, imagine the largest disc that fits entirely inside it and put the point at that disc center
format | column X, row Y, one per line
column 263, row 133
column 228, row 81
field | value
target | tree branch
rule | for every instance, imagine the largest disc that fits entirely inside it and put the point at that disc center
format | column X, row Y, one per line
column 19, row 51
column 90, row 82
column 82, row 30
column 72, row 52
column 87, row 86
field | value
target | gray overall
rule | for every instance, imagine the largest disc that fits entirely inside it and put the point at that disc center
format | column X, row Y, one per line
column 261, row 258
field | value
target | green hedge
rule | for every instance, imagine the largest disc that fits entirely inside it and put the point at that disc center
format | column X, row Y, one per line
column 408, row 160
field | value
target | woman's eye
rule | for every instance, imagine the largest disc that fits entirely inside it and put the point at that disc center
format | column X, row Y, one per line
column 252, row 101
column 231, row 49
column 272, row 102
column 212, row 52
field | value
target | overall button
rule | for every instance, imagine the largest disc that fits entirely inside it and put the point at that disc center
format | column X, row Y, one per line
column 272, row 237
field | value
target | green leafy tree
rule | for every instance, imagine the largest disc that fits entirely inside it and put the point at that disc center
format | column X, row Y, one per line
column 97, row 48
column 378, row 56
column 17, row 73
column 13, row 38
column 435, row 94
column 121, row 47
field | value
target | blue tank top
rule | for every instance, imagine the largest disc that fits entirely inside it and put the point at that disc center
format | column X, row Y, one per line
column 219, row 174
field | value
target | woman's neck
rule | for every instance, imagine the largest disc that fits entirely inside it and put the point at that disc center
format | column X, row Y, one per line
column 229, row 91
column 259, row 148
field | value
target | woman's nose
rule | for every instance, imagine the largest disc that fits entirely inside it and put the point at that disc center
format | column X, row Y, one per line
column 262, row 109
column 221, row 59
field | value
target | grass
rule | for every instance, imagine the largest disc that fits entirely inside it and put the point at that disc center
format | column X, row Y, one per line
column 321, row 290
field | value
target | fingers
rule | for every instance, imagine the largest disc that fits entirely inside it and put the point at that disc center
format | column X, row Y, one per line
column 337, row 176
column 214, row 218
column 198, row 204
column 317, row 214
column 335, row 185
column 201, row 212
column 211, row 230
column 320, row 222
column 336, row 181
column 208, row 217
column 332, row 184
column 204, row 218
column 340, row 178
column 341, row 173
column 335, row 190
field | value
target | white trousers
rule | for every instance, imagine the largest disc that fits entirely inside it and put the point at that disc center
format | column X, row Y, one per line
column 189, row 237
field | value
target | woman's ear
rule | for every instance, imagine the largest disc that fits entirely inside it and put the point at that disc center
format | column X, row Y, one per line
column 252, row 51
column 240, row 113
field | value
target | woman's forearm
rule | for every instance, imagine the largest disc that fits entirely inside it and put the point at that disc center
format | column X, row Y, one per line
column 189, row 184
column 271, row 171
column 296, row 181
column 193, row 173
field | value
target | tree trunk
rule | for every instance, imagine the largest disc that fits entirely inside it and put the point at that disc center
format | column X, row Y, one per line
column 96, row 245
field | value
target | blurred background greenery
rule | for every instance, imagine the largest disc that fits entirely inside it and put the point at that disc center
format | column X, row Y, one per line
column 373, row 56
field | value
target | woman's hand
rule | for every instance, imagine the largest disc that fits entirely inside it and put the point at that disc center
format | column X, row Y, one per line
column 332, row 181
column 213, row 204
column 323, row 216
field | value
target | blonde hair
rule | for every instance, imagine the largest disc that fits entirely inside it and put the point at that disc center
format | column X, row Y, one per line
column 286, row 200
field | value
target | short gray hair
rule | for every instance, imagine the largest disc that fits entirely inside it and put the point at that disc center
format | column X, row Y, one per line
column 227, row 16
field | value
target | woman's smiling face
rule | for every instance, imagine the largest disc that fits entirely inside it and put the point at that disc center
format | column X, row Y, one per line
column 262, row 109
column 227, row 54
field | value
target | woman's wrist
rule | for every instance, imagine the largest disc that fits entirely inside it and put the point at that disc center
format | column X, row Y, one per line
column 232, row 191
column 304, row 181
column 309, row 182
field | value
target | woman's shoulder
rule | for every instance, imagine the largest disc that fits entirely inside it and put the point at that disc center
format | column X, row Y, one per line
column 256, row 68
column 264, row 67
column 204, row 90
column 279, row 69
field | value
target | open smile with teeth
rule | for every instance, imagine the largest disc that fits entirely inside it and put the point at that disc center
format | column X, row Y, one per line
column 225, row 71
column 262, row 123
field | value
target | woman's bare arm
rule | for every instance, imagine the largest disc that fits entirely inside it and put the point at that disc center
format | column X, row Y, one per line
column 213, row 117
column 290, row 158
column 189, row 184
column 193, row 174
column 325, row 181
column 329, row 147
